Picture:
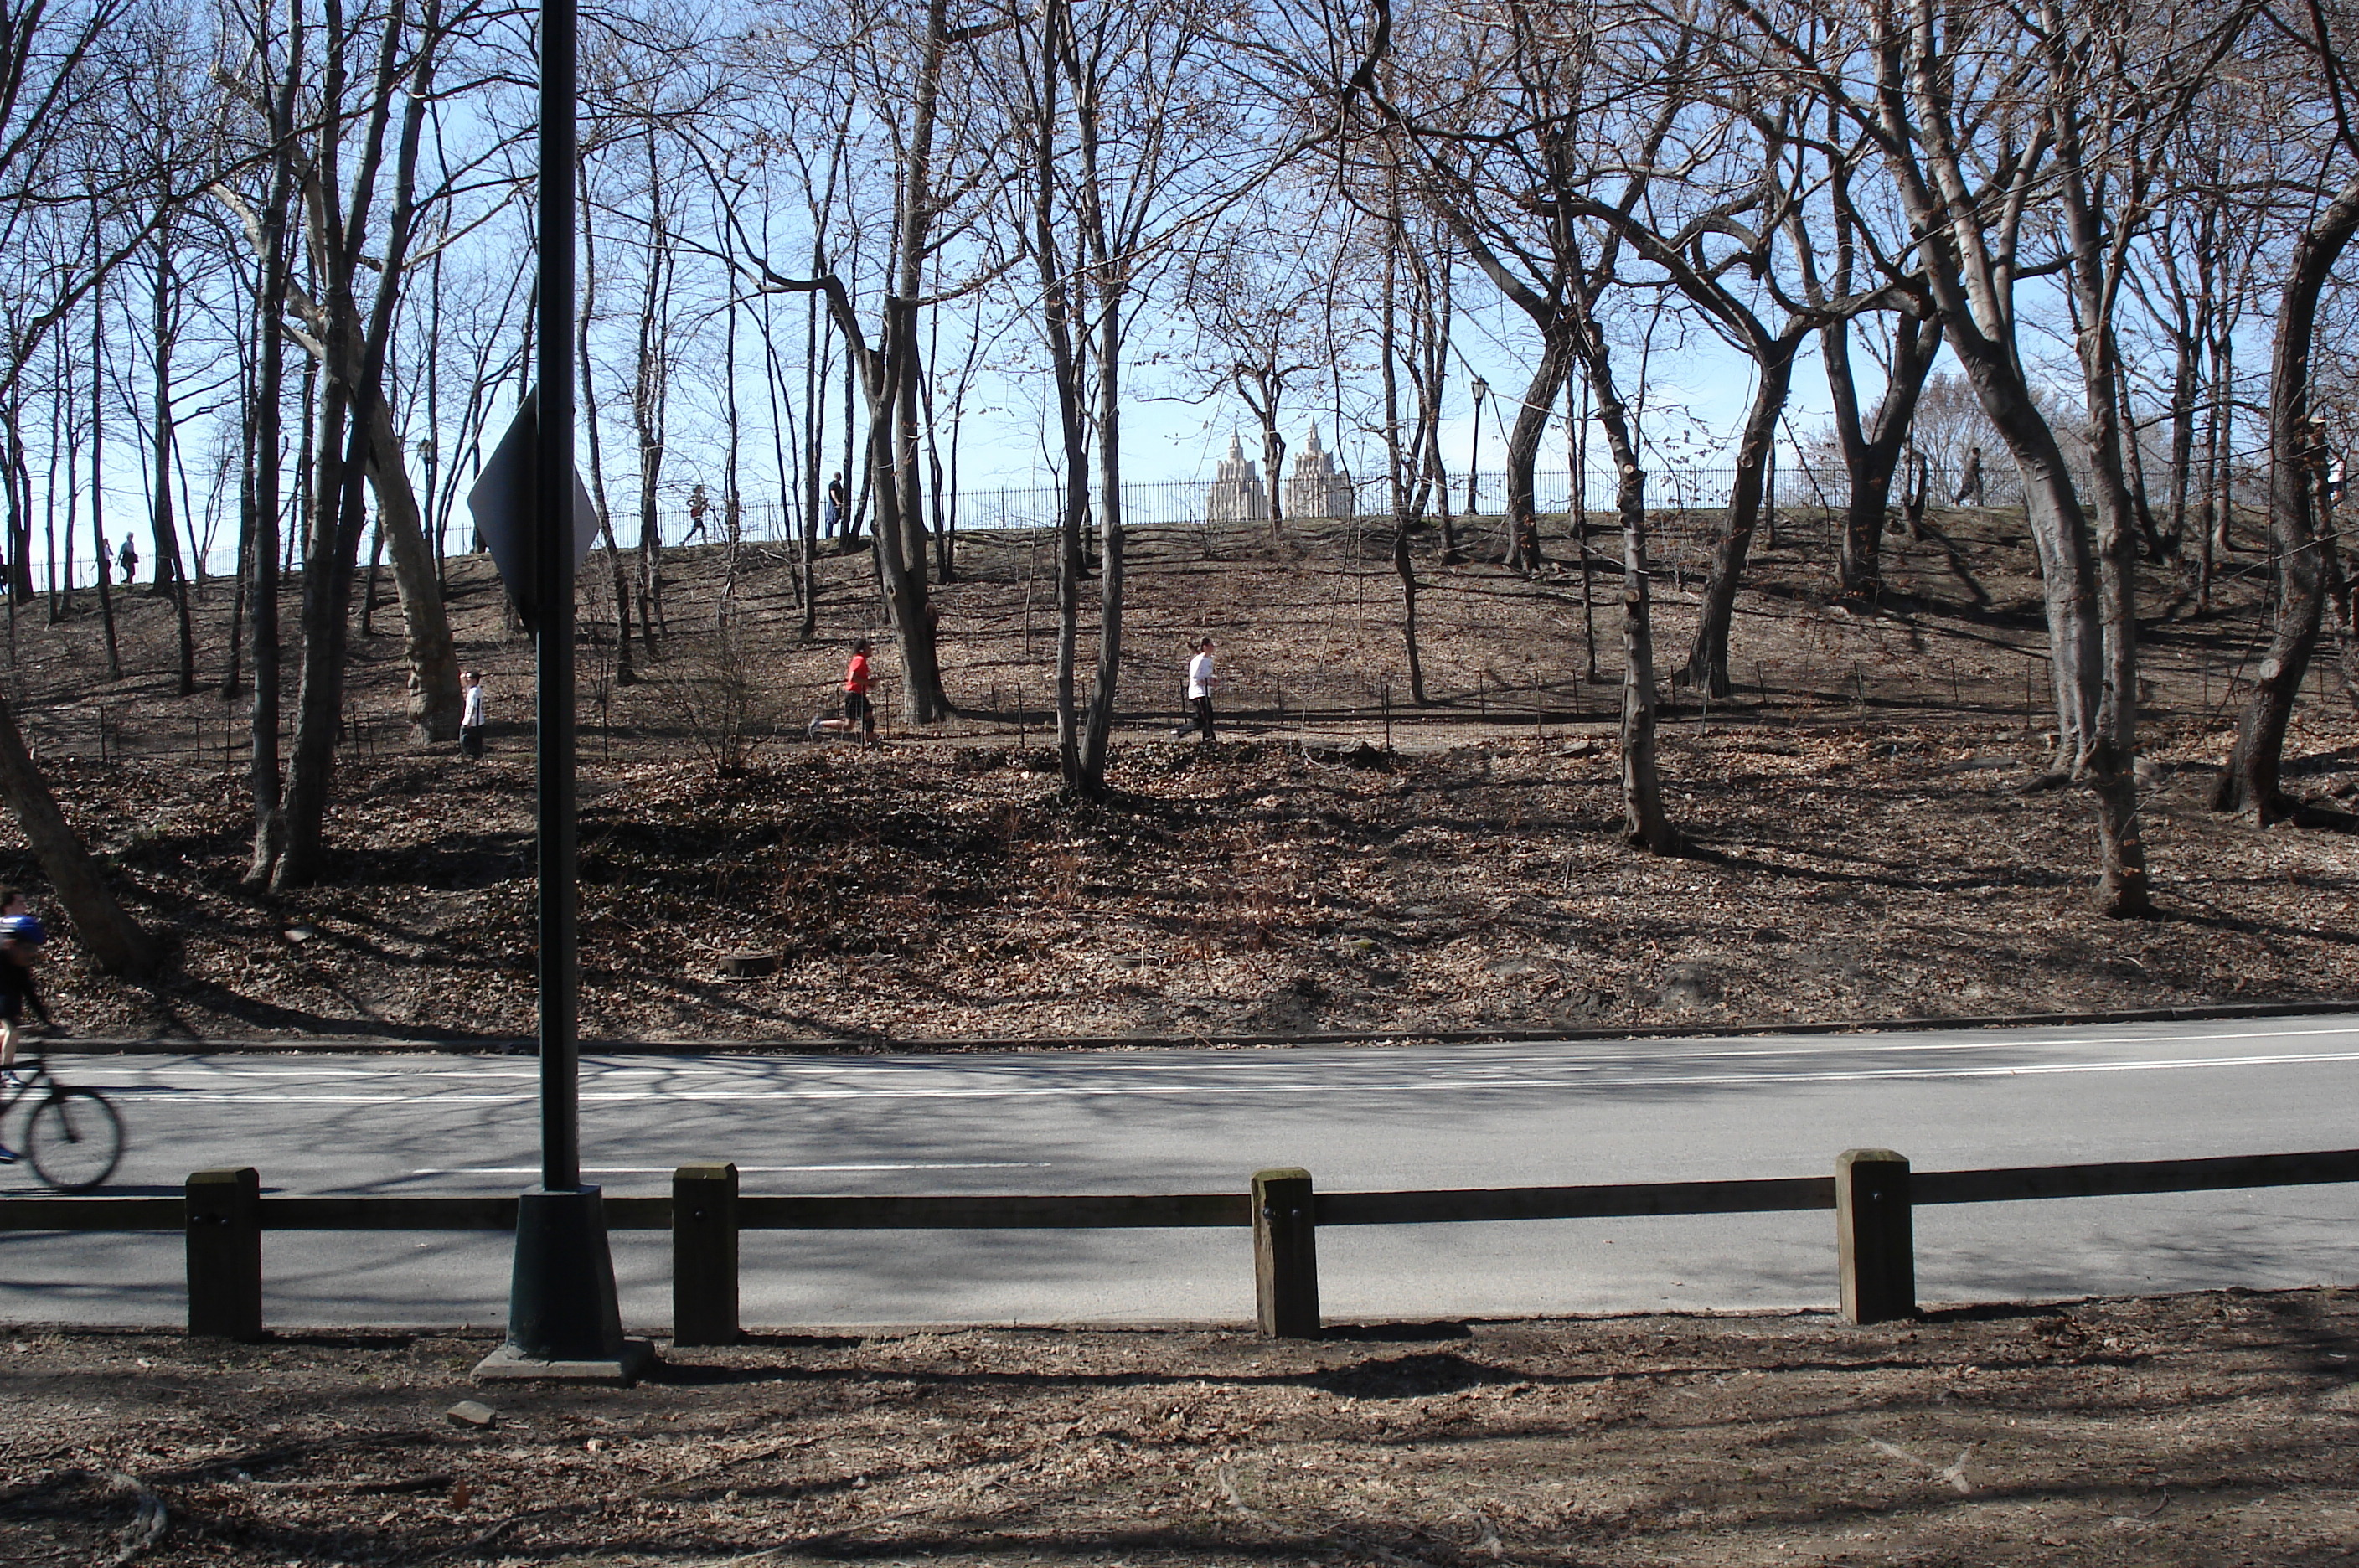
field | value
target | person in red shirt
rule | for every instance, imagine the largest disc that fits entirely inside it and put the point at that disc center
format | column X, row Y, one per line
column 858, row 711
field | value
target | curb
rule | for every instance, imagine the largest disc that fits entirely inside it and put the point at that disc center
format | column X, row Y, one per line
column 873, row 1045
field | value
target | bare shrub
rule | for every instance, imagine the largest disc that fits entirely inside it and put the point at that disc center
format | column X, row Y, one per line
column 717, row 691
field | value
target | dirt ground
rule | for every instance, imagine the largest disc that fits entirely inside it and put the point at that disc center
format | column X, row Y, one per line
column 1860, row 844
column 2213, row 1429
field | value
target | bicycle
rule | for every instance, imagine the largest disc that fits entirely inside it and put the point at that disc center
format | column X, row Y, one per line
column 72, row 1137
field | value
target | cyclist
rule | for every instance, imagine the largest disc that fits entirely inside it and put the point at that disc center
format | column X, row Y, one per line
column 21, row 936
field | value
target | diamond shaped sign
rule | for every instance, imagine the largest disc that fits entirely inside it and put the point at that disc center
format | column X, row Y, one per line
column 502, row 500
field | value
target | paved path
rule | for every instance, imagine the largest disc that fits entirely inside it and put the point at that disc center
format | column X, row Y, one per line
column 1179, row 1121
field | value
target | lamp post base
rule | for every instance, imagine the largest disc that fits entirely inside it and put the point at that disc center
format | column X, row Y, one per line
column 564, row 1325
column 509, row 1365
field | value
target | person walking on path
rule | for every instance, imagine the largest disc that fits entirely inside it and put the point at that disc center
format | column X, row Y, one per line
column 858, row 711
column 128, row 560
column 105, row 561
column 1199, row 693
column 471, row 713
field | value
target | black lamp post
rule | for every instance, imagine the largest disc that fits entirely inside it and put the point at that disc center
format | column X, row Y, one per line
column 564, row 1320
column 1482, row 389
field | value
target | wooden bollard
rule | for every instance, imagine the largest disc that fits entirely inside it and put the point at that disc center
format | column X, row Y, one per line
column 1876, row 1235
column 704, row 1255
column 1286, row 1254
column 224, row 1248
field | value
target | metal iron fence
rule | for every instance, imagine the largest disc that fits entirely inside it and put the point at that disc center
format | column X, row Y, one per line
column 1185, row 502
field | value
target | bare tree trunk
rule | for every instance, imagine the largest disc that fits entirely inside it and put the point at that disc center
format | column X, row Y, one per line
column 429, row 656
column 352, row 424
column 625, row 673
column 2251, row 778
column 2222, row 497
column 369, row 582
column 1397, row 461
column 61, row 402
column 1406, row 572
column 1707, row 663
column 650, row 399
column 893, row 485
column 1273, row 455
column 814, row 443
column 1097, row 726
column 1577, row 473
column 117, row 941
column 1057, row 327
column 1644, row 823
column 171, row 575
column 98, row 481
column 2133, row 455
column 1523, row 541
column 1872, row 454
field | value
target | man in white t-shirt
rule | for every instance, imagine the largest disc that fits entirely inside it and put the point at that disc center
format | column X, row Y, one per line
column 470, row 713
column 1199, row 693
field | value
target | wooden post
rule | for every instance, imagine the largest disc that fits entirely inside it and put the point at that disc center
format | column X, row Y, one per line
column 1876, row 1235
column 1286, row 1254
column 704, row 1255
column 224, row 1248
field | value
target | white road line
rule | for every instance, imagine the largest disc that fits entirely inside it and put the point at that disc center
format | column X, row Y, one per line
column 1288, row 1061
column 1418, row 1086
column 742, row 1170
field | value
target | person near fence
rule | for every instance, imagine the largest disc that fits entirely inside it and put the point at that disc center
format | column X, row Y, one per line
column 859, row 713
column 832, row 516
column 1200, row 680
column 1970, row 482
column 471, row 713
column 105, row 561
column 127, row 558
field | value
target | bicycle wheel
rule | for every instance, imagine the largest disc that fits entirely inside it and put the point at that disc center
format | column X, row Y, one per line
column 74, row 1139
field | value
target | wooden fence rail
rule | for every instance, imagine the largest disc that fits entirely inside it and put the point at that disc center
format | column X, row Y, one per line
column 1872, row 1193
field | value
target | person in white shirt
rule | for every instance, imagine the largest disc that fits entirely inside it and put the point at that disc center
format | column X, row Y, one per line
column 1199, row 693
column 471, row 715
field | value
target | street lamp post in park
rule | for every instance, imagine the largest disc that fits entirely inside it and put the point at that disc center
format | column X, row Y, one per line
column 1482, row 389
column 563, row 1322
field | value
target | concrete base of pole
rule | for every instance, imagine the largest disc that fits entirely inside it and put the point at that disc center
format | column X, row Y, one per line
column 563, row 1322
column 508, row 1365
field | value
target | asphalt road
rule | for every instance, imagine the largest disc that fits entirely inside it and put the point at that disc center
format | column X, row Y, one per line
column 1182, row 1121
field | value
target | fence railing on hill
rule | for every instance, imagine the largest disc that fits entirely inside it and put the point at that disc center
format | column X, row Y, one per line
column 223, row 1214
column 1672, row 493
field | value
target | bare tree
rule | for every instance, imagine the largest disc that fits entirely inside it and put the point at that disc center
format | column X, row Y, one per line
column 2301, row 534
column 940, row 156
column 1504, row 131
column 1976, row 113
column 357, row 445
column 58, row 66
